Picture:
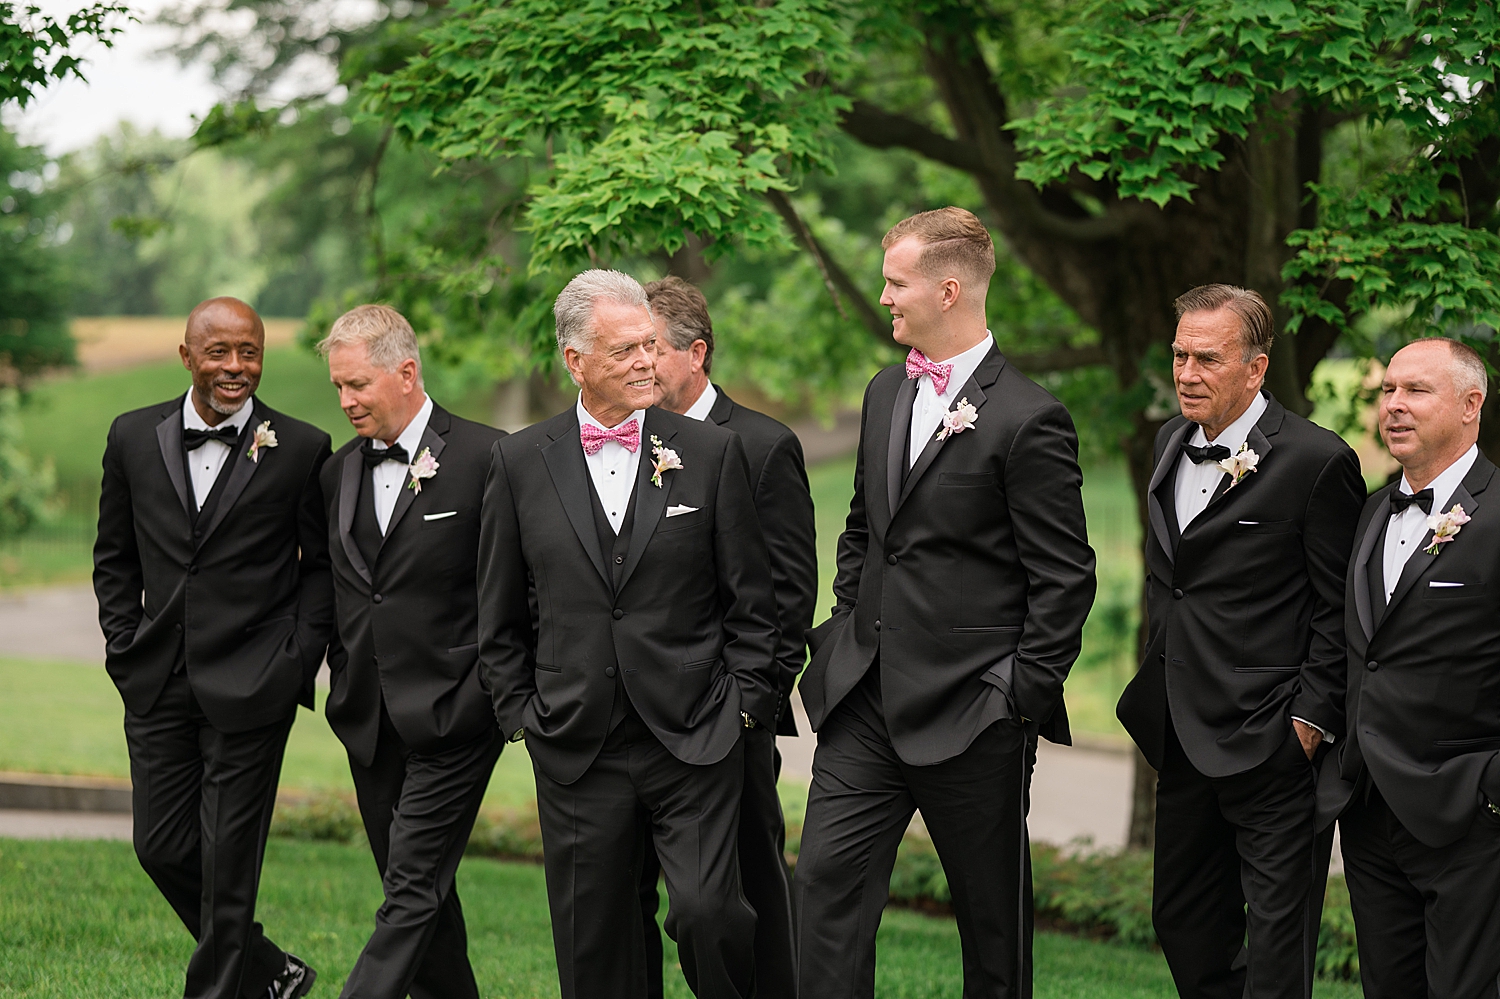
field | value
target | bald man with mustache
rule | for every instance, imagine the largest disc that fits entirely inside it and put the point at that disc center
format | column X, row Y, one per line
column 216, row 600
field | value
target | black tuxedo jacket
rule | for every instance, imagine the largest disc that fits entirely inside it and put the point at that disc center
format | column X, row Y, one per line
column 970, row 575
column 408, row 626
column 1246, row 607
column 1424, row 671
column 245, row 597
column 691, row 631
column 778, row 480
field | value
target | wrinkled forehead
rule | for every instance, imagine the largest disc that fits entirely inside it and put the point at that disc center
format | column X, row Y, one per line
column 224, row 327
column 622, row 327
column 1420, row 366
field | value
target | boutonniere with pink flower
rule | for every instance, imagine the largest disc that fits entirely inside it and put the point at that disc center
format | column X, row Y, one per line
column 424, row 467
column 1239, row 465
column 958, row 419
column 264, row 436
column 665, row 460
column 1445, row 527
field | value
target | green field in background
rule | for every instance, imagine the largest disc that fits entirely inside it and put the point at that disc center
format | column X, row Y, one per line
column 79, row 920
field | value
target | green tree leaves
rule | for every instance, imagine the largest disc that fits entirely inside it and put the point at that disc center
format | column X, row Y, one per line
column 658, row 118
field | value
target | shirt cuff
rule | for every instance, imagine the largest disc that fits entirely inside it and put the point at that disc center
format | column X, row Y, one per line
column 1324, row 732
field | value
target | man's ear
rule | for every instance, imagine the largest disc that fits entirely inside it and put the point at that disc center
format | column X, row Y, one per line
column 182, row 352
column 951, row 292
column 698, row 350
column 1473, row 405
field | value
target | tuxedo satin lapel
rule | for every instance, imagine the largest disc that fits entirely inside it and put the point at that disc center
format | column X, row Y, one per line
column 240, row 472
column 1258, row 443
column 650, row 501
column 976, row 397
column 895, row 452
column 1420, row 561
column 169, row 439
column 431, row 441
column 1155, row 509
column 354, row 466
column 1373, row 532
column 722, row 408
column 570, row 477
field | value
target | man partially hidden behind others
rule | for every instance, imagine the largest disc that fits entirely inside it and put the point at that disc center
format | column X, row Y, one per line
column 1252, row 512
column 211, row 571
column 1416, row 784
column 403, row 512
column 684, row 359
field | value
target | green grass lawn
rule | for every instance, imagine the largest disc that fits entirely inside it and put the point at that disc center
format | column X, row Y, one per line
column 79, row 920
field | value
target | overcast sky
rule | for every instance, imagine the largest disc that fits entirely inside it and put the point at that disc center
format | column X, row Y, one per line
column 128, row 82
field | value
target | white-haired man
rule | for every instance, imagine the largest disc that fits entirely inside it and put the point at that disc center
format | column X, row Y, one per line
column 403, row 528
column 1415, row 784
column 628, row 631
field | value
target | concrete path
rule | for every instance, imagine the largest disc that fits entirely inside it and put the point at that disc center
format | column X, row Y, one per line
column 55, row 623
column 19, row 824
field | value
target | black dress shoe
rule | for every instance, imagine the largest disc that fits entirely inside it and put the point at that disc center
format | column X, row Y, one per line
column 295, row 982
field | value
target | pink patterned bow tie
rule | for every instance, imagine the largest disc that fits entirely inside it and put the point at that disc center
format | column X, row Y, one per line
column 918, row 365
column 627, row 435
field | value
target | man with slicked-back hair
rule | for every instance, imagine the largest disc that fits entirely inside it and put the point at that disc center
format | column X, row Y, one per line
column 216, row 603
column 1252, row 512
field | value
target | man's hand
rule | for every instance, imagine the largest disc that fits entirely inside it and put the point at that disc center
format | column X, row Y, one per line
column 1308, row 736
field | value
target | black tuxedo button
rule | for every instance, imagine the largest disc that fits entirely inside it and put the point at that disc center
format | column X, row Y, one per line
column 377, row 598
column 619, row 560
column 177, row 628
column 1178, row 594
column 877, row 624
column 1372, row 665
column 192, row 570
column 892, row 559
column 617, row 614
column 609, row 671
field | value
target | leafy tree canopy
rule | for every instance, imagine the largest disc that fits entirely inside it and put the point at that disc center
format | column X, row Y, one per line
column 37, row 49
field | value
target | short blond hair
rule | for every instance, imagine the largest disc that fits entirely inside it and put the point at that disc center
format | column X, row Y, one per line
column 953, row 239
column 387, row 337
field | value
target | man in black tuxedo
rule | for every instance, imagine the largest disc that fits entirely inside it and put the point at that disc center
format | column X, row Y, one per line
column 1415, row 784
column 627, row 627
column 211, row 570
column 964, row 578
column 1252, row 513
column 403, row 514
column 778, row 478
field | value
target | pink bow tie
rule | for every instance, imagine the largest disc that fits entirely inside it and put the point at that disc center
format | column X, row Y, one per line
column 627, row 435
column 918, row 365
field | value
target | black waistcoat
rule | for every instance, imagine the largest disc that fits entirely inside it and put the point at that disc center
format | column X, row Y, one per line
column 211, row 502
column 616, row 547
column 366, row 529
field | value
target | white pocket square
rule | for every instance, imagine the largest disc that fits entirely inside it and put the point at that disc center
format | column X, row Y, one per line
column 1436, row 583
column 677, row 511
column 439, row 516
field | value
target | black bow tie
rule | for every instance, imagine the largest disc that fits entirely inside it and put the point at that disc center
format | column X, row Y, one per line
column 1212, row 452
column 193, row 439
column 374, row 456
column 1400, row 501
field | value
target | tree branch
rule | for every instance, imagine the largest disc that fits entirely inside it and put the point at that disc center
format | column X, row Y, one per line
column 835, row 277
column 881, row 129
column 1059, row 359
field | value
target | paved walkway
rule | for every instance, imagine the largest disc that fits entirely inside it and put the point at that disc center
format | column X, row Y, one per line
column 55, row 623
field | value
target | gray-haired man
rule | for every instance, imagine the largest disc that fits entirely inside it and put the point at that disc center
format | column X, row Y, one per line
column 403, row 525
column 628, row 631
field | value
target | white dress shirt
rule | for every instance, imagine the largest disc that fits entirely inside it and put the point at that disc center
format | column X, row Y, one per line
column 1196, row 483
column 699, row 410
column 614, row 467
column 388, row 477
column 1407, row 529
column 928, row 407
column 205, row 461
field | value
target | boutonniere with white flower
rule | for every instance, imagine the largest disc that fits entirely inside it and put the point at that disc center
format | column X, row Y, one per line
column 1239, row 465
column 665, row 460
column 1444, row 527
column 424, row 467
column 958, row 419
column 264, row 436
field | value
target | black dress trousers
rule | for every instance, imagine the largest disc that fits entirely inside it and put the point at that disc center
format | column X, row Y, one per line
column 1427, row 918
column 861, row 802
column 1234, row 855
column 202, row 802
column 418, row 810
column 593, row 863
